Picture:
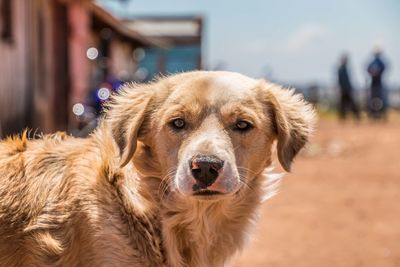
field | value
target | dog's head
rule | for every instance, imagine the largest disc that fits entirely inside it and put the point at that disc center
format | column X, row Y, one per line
column 208, row 133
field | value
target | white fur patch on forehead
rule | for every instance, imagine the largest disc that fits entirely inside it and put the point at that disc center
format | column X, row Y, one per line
column 209, row 87
column 230, row 84
column 234, row 81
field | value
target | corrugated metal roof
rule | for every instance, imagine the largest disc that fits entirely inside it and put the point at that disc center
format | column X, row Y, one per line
column 118, row 25
column 158, row 28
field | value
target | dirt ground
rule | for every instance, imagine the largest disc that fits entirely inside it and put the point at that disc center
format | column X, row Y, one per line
column 341, row 204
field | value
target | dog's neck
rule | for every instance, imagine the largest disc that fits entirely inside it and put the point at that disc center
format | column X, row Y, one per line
column 202, row 233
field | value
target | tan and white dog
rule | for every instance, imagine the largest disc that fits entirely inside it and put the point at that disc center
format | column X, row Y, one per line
column 173, row 176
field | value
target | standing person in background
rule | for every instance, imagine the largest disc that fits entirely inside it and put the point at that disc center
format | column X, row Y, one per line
column 377, row 102
column 346, row 91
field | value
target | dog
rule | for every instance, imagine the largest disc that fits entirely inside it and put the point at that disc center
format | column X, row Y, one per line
column 173, row 176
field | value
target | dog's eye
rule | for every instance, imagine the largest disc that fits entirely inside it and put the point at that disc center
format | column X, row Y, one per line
column 178, row 124
column 243, row 126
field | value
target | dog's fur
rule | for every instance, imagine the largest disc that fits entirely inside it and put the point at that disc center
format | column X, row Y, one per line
column 121, row 197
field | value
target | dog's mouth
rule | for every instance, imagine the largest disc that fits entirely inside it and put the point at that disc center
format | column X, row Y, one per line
column 209, row 195
column 206, row 192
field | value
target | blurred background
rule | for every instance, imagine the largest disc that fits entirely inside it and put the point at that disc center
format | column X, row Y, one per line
column 61, row 59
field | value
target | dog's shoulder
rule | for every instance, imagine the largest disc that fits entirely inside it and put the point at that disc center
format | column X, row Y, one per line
column 14, row 145
column 33, row 173
column 42, row 182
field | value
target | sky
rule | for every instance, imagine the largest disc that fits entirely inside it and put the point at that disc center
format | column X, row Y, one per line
column 291, row 41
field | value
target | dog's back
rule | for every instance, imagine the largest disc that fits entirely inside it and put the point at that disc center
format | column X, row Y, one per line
column 35, row 199
column 55, row 208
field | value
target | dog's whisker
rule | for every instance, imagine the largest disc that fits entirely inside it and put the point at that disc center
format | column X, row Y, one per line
column 166, row 188
column 247, row 170
column 236, row 147
column 165, row 184
column 244, row 182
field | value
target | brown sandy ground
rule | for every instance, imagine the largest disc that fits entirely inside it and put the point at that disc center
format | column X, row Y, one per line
column 341, row 204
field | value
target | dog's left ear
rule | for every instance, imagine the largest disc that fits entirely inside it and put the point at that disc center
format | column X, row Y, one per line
column 292, row 119
column 126, row 115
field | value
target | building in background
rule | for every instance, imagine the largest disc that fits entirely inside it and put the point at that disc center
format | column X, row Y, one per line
column 180, row 44
column 53, row 53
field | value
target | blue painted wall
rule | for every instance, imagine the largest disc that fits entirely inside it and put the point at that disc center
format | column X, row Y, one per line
column 176, row 59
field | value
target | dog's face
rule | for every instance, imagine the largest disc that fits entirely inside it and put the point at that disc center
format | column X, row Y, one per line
column 213, row 134
column 210, row 133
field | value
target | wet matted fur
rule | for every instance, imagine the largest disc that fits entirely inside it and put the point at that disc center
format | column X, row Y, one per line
column 126, row 196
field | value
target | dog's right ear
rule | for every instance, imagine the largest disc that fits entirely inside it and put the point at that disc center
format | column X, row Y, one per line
column 126, row 115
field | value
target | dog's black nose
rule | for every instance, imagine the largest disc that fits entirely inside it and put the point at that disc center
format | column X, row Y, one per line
column 205, row 169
